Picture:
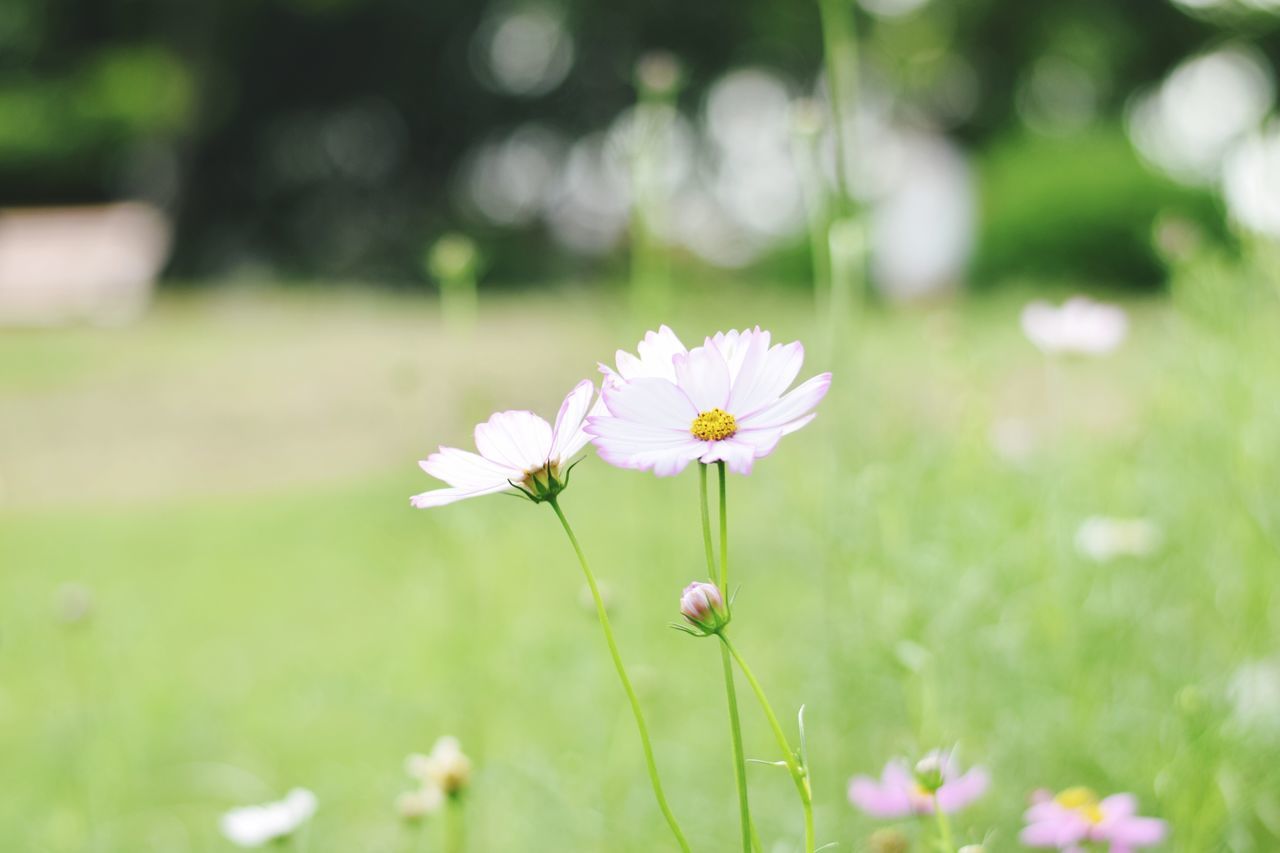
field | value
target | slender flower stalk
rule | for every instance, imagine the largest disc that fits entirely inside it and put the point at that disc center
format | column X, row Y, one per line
column 641, row 726
column 840, row 54
column 454, row 831
column 944, row 826
column 799, row 773
column 731, row 693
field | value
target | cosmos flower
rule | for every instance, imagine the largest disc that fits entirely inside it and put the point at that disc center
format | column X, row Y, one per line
column 1077, row 817
column 1080, row 326
column 253, row 826
column 446, row 767
column 899, row 793
column 1103, row 539
column 721, row 402
column 518, row 450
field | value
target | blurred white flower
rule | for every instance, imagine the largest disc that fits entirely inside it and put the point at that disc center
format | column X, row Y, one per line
column 1187, row 124
column 415, row 805
column 445, row 767
column 73, row 602
column 253, row 826
column 1079, row 326
column 1103, row 539
column 1254, row 693
column 1251, row 182
column 1012, row 439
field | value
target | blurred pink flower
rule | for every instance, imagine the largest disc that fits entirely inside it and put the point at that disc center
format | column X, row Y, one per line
column 1077, row 817
column 723, row 401
column 899, row 794
column 1079, row 326
column 517, row 448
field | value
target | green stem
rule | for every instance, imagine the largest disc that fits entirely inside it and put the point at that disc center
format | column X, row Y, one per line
column 735, row 725
column 724, row 534
column 453, row 830
column 944, row 827
column 839, row 48
column 800, row 775
column 641, row 726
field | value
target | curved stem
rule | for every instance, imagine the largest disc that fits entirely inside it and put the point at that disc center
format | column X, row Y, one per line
column 641, row 726
column 735, row 724
column 800, row 775
column 944, row 826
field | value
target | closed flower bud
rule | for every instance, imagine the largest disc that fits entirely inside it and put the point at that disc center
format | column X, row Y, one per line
column 703, row 607
column 929, row 772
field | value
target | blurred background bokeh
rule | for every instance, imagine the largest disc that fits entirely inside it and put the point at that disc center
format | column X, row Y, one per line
column 257, row 257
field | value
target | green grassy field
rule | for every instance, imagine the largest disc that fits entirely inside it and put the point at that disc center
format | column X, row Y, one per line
column 230, row 479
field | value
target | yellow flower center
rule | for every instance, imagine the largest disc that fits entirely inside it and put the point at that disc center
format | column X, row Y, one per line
column 714, row 425
column 1081, row 800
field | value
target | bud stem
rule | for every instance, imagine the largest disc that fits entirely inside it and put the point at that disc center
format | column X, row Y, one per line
column 735, row 725
column 641, row 726
column 798, row 774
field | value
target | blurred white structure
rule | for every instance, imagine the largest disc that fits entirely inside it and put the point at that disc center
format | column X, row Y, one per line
column 1251, row 182
column 96, row 264
column 1081, row 326
column 1103, row 539
column 1187, row 124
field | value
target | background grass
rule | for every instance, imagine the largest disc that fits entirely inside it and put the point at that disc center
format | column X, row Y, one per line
column 230, row 480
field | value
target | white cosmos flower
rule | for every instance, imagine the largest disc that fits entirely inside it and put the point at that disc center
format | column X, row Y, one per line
column 1079, row 326
column 446, row 767
column 722, row 402
column 1103, row 539
column 516, row 447
column 253, row 826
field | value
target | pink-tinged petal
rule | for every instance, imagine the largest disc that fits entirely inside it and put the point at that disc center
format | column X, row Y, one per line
column 734, row 346
column 517, row 439
column 655, row 402
column 762, row 441
column 1119, row 806
column 797, row 424
column 738, row 456
column 793, row 407
column 567, row 438
column 440, row 497
column 1134, row 832
column 656, row 353
column 616, row 430
column 465, row 470
column 1042, row 834
column 877, row 800
column 960, row 792
column 765, row 375
column 703, row 375
column 663, row 461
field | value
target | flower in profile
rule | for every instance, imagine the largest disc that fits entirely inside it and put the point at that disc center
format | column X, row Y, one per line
column 1103, row 539
column 723, row 401
column 901, row 793
column 1077, row 817
column 253, row 826
column 446, row 767
column 518, row 450
column 1080, row 326
column 703, row 607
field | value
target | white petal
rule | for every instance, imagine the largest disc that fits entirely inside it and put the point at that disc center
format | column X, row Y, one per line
column 656, row 352
column 568, row 438
column 761, row 441
column 792, row 407
column 734, row 345
column 766, row 373
column 466, row 470
column 656, row 402
column 703, row 374
column 517, row 439
column 440, row 497
column 663, row 461
column 737, row 455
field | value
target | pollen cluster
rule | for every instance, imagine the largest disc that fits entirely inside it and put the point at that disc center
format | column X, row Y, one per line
column 714, row 425
column 1083, row 801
